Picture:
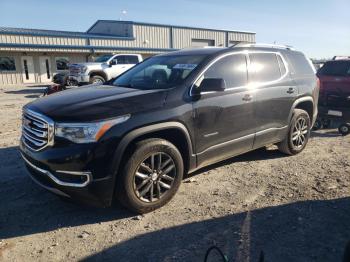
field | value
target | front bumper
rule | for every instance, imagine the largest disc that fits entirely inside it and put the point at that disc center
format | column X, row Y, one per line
column 80, row 78
column 75, row 172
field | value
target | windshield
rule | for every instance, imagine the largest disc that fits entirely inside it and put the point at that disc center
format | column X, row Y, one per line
column 160, row 72
column 102, row 59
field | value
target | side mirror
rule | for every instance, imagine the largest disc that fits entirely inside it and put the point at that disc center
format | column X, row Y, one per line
column 212, row 85
column 113, row 62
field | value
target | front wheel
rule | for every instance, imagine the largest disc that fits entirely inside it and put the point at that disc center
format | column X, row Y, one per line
column 151, row 176
column 97, row 80
column 298, row 133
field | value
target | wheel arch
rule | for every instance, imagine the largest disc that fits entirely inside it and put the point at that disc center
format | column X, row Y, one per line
column 305, row 103
column 174, row 132
column 98, row 73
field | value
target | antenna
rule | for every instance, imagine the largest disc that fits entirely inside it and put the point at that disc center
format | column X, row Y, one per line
column 123, row 13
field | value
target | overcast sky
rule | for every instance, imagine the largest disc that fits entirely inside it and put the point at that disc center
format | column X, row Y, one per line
column 320, row 28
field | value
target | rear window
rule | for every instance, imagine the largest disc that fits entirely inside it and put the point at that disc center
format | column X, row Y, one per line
column 264, row 67
column 300, row 64
column 336, row 68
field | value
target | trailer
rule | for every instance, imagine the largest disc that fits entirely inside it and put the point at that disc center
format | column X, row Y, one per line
column 334, row 112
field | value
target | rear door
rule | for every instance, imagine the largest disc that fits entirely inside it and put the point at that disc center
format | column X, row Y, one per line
column 224, row 121
column 275, row 93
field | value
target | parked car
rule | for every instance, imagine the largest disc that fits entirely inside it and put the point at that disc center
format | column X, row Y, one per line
column 134, row 139
column 334, row 79
column 334, row 102
column 103, row 69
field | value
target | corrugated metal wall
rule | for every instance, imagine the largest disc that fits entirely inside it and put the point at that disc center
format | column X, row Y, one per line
column 15, row 77
column 145, row 37
column 241, row 37
column 182, row 37
column 41, row 40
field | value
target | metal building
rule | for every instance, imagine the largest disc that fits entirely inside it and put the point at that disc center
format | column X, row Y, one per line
column 33, row 56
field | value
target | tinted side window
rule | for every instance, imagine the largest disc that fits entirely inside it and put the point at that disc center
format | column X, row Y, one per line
column 336, row 68
column 131, row 59
column 127, row 59
column 264, row 67
column 300, row 64
column 121, row 60
column 232, row 68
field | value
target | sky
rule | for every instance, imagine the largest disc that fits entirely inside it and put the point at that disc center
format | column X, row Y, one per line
column 319, row 28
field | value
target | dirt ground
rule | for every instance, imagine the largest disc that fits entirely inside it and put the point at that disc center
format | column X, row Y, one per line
column 291, row 208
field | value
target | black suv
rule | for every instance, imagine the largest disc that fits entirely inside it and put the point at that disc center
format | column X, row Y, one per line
column 134, row 138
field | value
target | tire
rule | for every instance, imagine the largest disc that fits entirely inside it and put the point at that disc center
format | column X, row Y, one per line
column 298, row 133
column 140, row 187
column 344, row 129
column 97, row 80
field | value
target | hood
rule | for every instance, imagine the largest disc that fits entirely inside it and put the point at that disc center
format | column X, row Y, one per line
column 90, row 103
column 86, row 64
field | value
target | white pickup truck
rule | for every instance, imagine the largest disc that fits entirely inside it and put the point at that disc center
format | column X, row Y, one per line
column 103, row 69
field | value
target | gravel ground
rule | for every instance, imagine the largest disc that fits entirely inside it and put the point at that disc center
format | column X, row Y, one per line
column 291, row 208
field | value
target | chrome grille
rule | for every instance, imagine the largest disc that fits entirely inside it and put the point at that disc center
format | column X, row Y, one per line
column 74, row 70
column 37, row 130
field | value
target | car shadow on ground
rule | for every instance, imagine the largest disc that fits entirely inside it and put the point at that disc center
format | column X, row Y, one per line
column 301, row 231
column 258, row 154
column 28, row 90
column 325, row 133
column 27, row 209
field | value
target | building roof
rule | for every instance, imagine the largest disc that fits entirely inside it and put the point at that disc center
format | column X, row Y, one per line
column 45, row 32
column 87, row 34
column 166, row 25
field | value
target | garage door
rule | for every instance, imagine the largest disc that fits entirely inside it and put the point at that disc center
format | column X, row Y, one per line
column 202, row 42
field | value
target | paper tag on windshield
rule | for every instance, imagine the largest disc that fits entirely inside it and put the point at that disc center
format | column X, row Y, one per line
column 185, row 66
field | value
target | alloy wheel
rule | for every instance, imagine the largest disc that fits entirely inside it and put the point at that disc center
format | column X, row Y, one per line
column 154, row 177
column 299, row 133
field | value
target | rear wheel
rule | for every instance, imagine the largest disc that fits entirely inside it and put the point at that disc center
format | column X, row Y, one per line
column 151, row 176
column 344, row 129
column 97, row 80
column 298, row 133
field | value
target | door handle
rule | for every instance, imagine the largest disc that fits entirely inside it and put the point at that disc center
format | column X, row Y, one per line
column 291, row 90
column 247, row 98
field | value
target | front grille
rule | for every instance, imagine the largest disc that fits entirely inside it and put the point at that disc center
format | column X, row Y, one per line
column 37, row 130
column 74, row 70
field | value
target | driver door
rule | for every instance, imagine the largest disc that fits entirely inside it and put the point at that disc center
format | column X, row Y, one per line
column 224, row 121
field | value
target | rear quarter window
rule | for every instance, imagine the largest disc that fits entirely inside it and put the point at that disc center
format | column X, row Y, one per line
column 300, row 64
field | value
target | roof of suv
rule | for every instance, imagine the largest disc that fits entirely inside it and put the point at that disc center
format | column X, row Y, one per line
column 218, row 50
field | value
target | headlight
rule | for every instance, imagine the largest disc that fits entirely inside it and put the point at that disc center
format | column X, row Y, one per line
column 86, row 132
column 83, row 69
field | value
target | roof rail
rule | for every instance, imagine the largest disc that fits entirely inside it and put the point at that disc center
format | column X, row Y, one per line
column 288, row 47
